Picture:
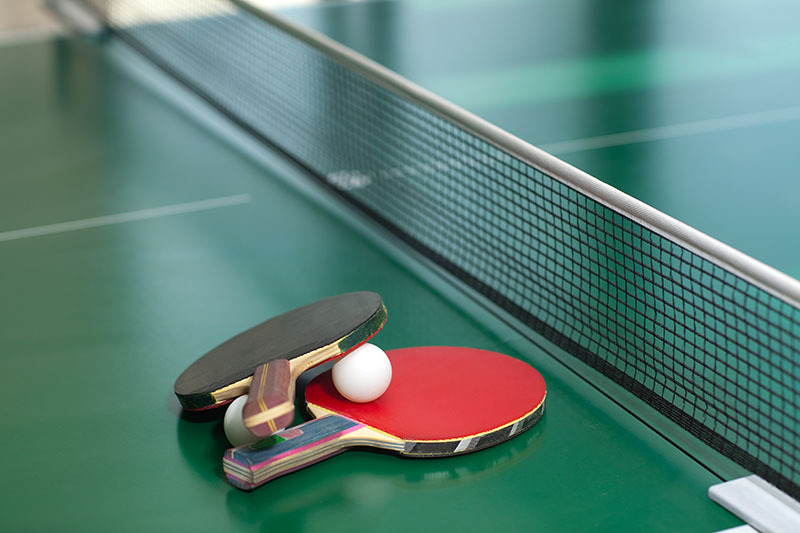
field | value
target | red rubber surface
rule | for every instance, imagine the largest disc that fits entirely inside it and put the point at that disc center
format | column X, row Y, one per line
column 441, row 393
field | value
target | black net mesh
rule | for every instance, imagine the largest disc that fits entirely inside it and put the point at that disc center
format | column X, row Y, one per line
column 709, row 350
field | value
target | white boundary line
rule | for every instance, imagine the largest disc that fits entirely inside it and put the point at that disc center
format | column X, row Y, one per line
column 130, row 216
column 763, row 506
column 733, row 122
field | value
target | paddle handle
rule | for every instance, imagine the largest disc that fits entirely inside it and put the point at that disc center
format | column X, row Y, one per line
column 270, row 402
column 250, row 466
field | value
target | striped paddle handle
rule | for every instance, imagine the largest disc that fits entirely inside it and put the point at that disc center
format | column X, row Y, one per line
column 270, row 402
column 250, row 466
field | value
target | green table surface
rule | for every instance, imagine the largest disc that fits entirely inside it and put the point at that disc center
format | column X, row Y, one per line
column 96, row 324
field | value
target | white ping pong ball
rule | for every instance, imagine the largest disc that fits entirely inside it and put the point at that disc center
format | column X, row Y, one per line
column 363, row 375
column 233, row 424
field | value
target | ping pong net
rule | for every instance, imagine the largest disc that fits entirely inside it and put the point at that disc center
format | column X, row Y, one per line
column 706, row 336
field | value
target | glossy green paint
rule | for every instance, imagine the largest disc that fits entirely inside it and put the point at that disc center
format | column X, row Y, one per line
column 96, row 324
column 554, row 71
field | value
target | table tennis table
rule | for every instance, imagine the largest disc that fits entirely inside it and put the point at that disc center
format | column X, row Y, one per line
column 141, row 225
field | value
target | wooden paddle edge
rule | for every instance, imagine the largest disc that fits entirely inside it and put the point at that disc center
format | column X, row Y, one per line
column 457, row 446
column 225, row 395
